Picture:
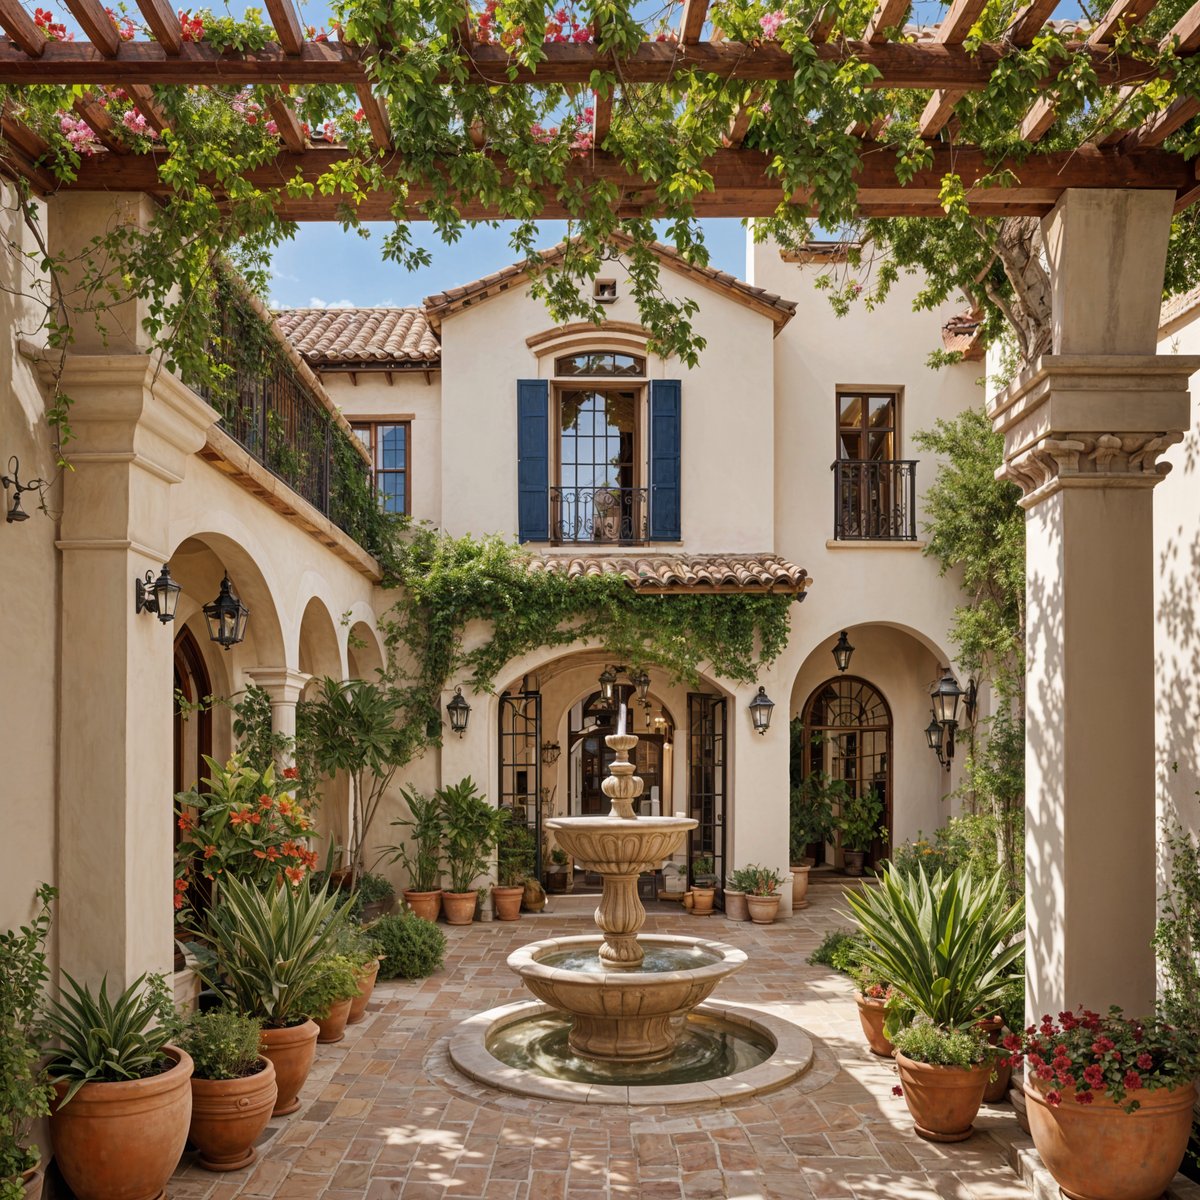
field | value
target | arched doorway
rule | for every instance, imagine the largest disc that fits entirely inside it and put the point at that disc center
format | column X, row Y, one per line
column 847, row 735
column 193, row 726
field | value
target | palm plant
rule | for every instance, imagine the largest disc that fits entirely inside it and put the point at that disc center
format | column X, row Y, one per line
column 949, row 944
column 473, row 827
column 422, row 858
column 266, row 949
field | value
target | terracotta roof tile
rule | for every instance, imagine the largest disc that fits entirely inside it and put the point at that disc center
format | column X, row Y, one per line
column 361, row 335
column 1177, row 307
column 961, row 334
column 683, row 572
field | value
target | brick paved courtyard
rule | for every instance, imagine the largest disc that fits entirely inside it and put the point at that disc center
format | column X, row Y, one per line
column 387, row 1118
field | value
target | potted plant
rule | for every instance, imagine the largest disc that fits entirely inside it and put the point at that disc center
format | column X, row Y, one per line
column 737, row 885
column 233, row 1087
column 762, row 897
column 872, row 994
column 557, row 870
column 262, row 956
column 811, row 821
column 374, row 897
column 408, row 946
column 355, row 944
column 421, row 857
column 25, row 1091
column 514, row 862
column 704, row 885
column 123, row 1101
column 472, row 829
column 858, row 824
column 328, row 1000
column 949, row 948
column 943, row 1073
column 1109, row 1100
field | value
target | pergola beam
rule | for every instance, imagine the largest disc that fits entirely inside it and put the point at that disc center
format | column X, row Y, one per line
column 953, row 30
column 288, row 124
column 1029, row 21
column 143, row 97
column 602, row 118
column 97, row 25
column 21, row 29
column 286, row 20
column 691, row 22
column 376, row 115
column 164, row 24
column 101, row 123
column 888, row 15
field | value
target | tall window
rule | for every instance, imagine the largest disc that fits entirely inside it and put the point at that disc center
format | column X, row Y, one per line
column 388, row 444
column 867, row 428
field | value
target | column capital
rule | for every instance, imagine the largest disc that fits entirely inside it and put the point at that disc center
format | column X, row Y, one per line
column 1093, row 421
column 282, row 684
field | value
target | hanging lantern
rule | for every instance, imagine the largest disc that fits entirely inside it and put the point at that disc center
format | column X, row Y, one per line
column 761, row 708
column 608, row 680
column 945, row 695
column 460, row 712
column 642, row 683
column 842, row 652
column 226, row 616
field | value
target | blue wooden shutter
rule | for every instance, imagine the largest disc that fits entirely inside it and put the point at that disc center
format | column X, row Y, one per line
column 665, row 441
column 533, row 460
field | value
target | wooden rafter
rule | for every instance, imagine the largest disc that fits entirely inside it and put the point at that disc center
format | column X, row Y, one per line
column 143, row 97
column 101, row 123
column 286, row 20
column 923, row 65
column 97, row 25
column 823, row 23
column 21, row 152
column 164, row 24
column 1187, row 31
column 739, row 126
column 1159, row 127
column 1027, row 24
column 955, row 26
column 602, row 117
column 288, row 124
column 888, row 14
column 20, row 27
column 376, row 115
column 691, row 22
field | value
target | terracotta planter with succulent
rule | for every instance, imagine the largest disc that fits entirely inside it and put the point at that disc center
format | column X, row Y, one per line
column 367, row 977
column 507, row 902
column 1109, row 1101
column 736, row 908
column 704, row 886
column 762, row 893
column 329, row 998
column 459, row 907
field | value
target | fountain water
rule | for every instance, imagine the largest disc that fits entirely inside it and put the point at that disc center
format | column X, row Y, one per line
column 619, row 1011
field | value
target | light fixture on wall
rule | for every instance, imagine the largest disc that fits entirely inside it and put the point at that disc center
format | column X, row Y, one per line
column 842, row 652
column 15, row 511
column 933, row 735
column 945, row 696
column 226, row 616
column 550, row 753
column 159, row 596
column 971, row 701
column 460, row 712
column 761, row 708
column 608, row 681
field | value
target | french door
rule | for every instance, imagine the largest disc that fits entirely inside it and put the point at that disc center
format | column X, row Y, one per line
column 707, row 737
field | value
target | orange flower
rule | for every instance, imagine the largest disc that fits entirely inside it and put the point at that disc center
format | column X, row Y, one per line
column 178, row 903
column 255, row 818
column 265, row 801
column 259, row 854
column 291, row 772
column 186, row 823
column 238, row 817
column 209, row 851
column 295, row 874
column 272, row 854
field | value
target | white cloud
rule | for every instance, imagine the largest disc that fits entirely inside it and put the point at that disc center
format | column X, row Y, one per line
column 317, row 302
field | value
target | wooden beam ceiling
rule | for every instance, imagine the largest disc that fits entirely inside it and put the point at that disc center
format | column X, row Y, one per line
column 691, row 22
column 97, row 25
column 953, row 31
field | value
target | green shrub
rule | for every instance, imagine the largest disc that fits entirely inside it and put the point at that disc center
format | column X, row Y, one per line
column 411, row 948
column 838, row 950
column 354, row 942
column 336, row 979
column 370, row 889
column 515, row 852
column 223, row 1044
column 925, row 1043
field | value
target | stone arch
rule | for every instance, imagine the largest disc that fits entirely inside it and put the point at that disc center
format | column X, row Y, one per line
column 318, row 647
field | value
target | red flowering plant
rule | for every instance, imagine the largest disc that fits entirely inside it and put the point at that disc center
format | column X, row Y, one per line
column 1084, row 1055
column 246, row 823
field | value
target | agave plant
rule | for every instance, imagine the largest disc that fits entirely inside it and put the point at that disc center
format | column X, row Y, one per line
column 98, row 1040
column 949, row 944
column 266, row 948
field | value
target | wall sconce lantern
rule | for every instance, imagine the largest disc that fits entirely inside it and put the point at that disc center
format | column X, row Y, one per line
column 159, row 596
column 15, row 511
column 460, row 712
column 761, row 708
column 971, row 701
column 933, row 735
column 226, row 616
column 842, row 652
column 550, row 753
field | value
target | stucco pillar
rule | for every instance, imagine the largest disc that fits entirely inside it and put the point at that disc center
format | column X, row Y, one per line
column 284, row 687
column 1083, row 430
column 135, row 428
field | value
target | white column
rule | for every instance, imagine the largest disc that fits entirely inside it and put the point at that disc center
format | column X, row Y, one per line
column 285, row 687
column 1083, row 429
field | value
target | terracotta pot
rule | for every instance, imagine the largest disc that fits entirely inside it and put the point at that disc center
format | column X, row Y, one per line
column 1016, row 1097
column 366, row 985
column 292, row 1050
column 996, row 1091
column 535, row 896
column 426, row 905
column 688, row 901
column 507, row 902
column 736, row 908
column 871, row 1013
column 332, row 1028
column 377, row 909
column 852, row 861
column 799, row 887
column 943, row 1100
column 1098, row 1152
column 459, row 907
column 31, row 1182
column 762, row 908
column 229, row 1114
column 702, row 901
column 121, row 1141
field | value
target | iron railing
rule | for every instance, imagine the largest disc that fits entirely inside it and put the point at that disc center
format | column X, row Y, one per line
column 272, row 413
column 600, row 514
column 874, row 500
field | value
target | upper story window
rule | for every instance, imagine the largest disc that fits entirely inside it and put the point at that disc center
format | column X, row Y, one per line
column 867, row 426
column 601, row 364
column 874, row 489
column 388, row 444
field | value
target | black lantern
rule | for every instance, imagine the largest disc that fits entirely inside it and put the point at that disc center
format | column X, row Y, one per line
column 460, row 712
column 226, row 616
column 971, row 701
column 760, row 710
column 642, row 683
column 159, row 596
column 550, row 753
column 945, row 695
column 608, row 680
column 842, row 652
column 15, row 511
column 933, row 735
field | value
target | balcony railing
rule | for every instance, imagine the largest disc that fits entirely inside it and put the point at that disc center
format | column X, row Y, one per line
column 611, row 515
column 280, row 418
column 874, row 500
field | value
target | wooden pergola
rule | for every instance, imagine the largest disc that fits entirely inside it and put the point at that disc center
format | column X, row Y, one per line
column 935, row 62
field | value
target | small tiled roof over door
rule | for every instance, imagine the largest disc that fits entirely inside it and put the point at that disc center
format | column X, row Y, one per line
column 341, row 336
column 684, row 572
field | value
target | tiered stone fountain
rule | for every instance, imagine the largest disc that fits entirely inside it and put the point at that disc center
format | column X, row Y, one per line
column 623, row 1014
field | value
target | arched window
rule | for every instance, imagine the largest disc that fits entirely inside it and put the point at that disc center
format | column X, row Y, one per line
column 847, row 735
column 601, row 364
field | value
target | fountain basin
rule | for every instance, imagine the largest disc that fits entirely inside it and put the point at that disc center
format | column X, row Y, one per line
column 624, row 1014
column 621, row 845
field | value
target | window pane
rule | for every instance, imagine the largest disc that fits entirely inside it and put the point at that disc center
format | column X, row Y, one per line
column 882, row 412
column 849, row 445
column 363, row 433
column 850, row 411
column 391, row 490
column 601, row 362
column 391, row 447
column 879, row 446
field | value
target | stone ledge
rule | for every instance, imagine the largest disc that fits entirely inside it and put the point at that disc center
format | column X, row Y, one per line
column 874, row 544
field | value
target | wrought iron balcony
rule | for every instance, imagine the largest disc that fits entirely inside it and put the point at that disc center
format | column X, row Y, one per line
column 612, row 515
column 874, row 500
